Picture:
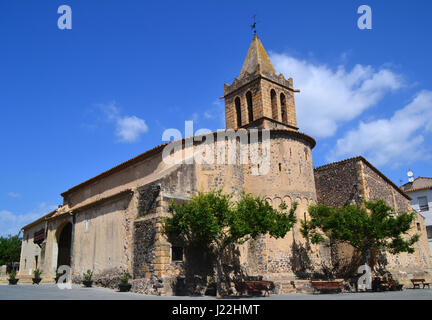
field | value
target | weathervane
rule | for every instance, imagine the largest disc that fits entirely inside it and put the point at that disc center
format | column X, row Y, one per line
column 253, row 27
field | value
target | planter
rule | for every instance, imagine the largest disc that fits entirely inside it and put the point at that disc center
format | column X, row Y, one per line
column 125, row 287
column 87, row 284
column 399, row 287
column 36, row 280
column 13, row 281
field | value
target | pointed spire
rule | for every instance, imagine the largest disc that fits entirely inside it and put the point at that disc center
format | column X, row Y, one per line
column 257, row 59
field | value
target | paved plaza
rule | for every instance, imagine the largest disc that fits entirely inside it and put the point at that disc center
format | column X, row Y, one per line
column 52, row 292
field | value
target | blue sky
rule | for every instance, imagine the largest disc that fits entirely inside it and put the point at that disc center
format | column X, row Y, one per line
column 77, row 102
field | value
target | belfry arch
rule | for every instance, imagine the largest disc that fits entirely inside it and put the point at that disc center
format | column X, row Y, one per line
column 250, row 106
column 238, row 112
column 274, row 105
column 284, row 114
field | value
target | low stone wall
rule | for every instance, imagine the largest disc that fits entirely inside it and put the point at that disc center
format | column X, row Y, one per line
column 107, row 279
column 158, row 286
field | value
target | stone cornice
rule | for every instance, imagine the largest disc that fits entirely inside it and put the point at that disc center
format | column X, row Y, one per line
column 240, row 84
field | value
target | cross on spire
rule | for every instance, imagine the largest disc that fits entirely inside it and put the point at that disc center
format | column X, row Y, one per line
column 253, row 26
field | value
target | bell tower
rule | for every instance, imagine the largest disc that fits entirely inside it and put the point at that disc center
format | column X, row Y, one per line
column 258, row 97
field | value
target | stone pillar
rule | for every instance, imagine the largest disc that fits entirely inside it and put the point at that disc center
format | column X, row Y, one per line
column 162, row 252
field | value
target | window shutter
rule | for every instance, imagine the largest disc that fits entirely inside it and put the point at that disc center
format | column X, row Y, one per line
column 423, row 204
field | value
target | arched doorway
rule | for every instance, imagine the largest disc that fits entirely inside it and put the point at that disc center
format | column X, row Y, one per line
column 64, row 246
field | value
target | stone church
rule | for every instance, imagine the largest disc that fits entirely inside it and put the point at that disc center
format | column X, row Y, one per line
column 111, row 222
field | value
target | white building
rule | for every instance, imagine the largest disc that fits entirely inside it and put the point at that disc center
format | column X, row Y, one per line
column 420, row 190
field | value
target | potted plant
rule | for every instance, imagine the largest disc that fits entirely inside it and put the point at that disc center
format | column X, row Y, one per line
column 12, row 278
column 88, row 278
column 37, row 276
column 58, row 275
column 124, row 284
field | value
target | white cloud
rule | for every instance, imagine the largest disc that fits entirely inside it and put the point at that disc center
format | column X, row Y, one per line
column 128, row 128
column 330, row 97
column 399, row 138
column 11, row 223
column 14, row 195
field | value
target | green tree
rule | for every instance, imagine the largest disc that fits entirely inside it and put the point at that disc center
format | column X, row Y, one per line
column 214, row 220
column 370, row 229
column 10, row 249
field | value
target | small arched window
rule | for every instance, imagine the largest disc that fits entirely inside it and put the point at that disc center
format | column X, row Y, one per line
column 274, row 104
column 250, row 106
column 238, row 111
column 283, row 108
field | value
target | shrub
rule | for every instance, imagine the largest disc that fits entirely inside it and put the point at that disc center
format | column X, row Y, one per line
column 88, row 275
column 124, row 278
column 12, row 275
column 37, row 274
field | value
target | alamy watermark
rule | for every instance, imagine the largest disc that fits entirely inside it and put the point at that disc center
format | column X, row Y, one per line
column 65, row 280
column 229, row 147
column 365, row 20
column 365, row 280
column 65, row 20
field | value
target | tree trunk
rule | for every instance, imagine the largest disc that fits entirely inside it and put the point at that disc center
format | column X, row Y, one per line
column 219, row 274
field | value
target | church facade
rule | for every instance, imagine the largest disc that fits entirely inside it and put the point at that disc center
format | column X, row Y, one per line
column 111, row 223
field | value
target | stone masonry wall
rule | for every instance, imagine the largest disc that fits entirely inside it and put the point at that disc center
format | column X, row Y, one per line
column 377, row 188
column 257, row 107
column 261, row 102
column 334, row 187
column 144, row 248
column 403, row 266
column 337, row 184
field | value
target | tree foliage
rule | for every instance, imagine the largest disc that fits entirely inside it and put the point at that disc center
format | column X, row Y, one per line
column 373, row 227
column 10, row 249
column 214, row 220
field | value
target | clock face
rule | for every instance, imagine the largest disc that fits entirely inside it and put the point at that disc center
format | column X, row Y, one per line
column 410, row 173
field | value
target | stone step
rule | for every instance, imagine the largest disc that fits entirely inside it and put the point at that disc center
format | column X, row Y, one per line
column 293, row 286
column 303, row 286
column 284, row 286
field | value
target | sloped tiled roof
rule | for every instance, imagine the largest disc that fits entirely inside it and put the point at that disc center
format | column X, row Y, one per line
column 159, row 148
column 42, row 219
column 117, row 168
column 420, row 183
